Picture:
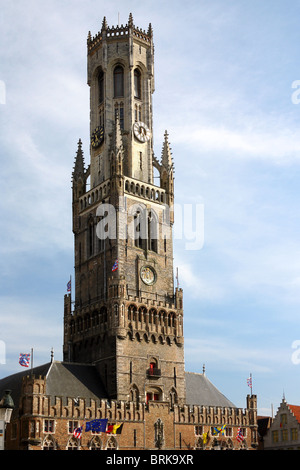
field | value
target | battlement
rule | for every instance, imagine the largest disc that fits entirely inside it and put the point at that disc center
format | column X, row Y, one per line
column 66, row 407
column 119, row 32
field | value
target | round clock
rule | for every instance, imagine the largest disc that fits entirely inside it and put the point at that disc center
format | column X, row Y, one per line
column 97, row 136
column 141, row 131
column 148, row 275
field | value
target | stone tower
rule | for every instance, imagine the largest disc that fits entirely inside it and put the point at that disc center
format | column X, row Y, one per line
column 127, row 317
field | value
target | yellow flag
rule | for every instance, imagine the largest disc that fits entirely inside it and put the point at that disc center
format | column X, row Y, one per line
column 117, row 429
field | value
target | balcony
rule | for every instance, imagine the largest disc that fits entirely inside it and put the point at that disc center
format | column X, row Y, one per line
column 153, row 373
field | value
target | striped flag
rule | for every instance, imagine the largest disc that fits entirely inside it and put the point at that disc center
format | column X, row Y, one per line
column 115, row 266
column 114, row 429
column 77, row 432
column 69, row 286
column 239, row 436
column 24, row 359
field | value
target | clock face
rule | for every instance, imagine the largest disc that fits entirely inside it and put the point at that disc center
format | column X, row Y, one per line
column 141, row 131
column 148, row 275
column 97, row 137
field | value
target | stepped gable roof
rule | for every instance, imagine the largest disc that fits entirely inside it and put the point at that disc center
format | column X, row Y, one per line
column 63, row 380
column 295, row 409
column 200, row 391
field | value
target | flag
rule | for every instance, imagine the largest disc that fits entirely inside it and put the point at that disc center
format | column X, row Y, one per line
column 24, row 360
column 217, row 430
column 69, row 286
column 239, row 436
column 115, row 266
column 205, row 437
column 77, row 432
column 114, row 428
column 249, row 382
column 222, row 430
column 96, row 425
column 117, row 429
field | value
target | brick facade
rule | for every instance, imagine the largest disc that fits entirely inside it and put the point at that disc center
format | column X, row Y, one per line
column 43, row 421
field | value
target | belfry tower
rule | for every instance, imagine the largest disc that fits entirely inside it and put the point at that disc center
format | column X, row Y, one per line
column 127, row 317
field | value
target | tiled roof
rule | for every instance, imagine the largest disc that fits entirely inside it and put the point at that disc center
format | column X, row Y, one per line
column 200, row 391
column 295, row 409
column 82, row 380
column 63, row 379
column 74, row 380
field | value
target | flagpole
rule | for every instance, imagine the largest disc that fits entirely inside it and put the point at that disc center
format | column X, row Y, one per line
column 31, row 360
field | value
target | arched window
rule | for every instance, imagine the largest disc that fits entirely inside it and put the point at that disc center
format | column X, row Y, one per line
column 140, row 228
column 73, row 444
column 101, row 86
column 112, row 444
column 152, row 231
column 134, row 394
column 173, row 397
column 118, row 81
column 137, row 84
column 96, row 443
column 49, row 443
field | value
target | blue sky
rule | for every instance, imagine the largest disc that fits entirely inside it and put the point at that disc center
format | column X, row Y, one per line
column 223, row 74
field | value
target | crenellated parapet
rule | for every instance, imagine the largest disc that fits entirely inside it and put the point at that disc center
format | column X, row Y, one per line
column 34, row 390
column 118, row 32
column 212, row 415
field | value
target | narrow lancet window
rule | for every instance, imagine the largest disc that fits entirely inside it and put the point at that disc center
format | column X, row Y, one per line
column 118, row 82
column 137, row 84
column 101, row 86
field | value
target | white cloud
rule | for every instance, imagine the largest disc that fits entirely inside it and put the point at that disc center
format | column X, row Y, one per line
column 218, row 351
column 266, row 141
column 36, row 205
column 195, row 286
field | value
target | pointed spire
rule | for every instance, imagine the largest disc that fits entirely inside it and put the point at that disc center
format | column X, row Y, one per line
column 150, row 30
column 79, row 160
column 166, row 158
column 130, row 21
column 104, row 24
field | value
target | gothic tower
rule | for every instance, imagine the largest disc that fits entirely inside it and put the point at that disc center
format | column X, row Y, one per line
column 127, row 317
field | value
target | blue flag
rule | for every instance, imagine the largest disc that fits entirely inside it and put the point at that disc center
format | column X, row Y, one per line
column 96, row 425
